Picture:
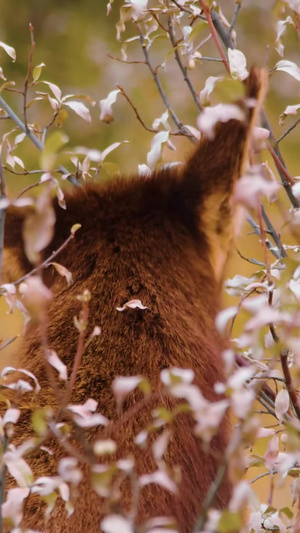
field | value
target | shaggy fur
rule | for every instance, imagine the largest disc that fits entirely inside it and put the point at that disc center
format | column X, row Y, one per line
column 163, row 240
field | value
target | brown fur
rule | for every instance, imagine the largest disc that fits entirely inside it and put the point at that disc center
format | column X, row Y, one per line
column 159, row 240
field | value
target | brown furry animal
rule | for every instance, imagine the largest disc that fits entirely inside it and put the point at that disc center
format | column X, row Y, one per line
column 163, row 240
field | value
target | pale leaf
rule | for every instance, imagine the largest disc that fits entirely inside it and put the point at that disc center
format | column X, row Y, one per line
column 282, row 404
column 208, row 89
column 106, row 113
column 55, row 361
column 132, row 304
column 220, row 113
column 9, row 50
column 155, row 153
column 115, row 523
column 289, row 67
column 237, row 64
column 80, row 109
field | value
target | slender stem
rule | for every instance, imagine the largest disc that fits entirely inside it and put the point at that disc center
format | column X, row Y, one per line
column 294, row 397
column 288, row 130
column 45, row 263
column 185, row 131
column 181, row 65
column 214, row 34
column 2, row 213
column 28, row 75
column 32, row 137
column 234, row 18
column 2, row 479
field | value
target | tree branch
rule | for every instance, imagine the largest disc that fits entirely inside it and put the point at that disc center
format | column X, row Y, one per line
column 184, row 131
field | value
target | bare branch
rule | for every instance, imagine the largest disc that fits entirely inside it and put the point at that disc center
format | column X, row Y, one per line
column 288, row 130
column 45, row 263
column 208, row 16
column 2, row 213
column 183, row 130
column 235, row 16
column 28, row 75
column 181, row 65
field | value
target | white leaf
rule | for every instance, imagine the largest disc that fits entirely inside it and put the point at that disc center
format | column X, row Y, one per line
column 115, row 523
column 224, row 316
column 155, row 153
column 123, row 385
column 281, row 27
column 220, row 113
column 105, row 446
column 237, row 64
column 111, row 148
column 9, row 50
column 160, row 478
column 80, row 109
column 55, row 361
column 160, row 445
column 106, row 113
column 12, row 507
column 132, row 304
column 162, row 120
column 9, row 369
column 250, row 189
column 69, row 471
column 55, row 89
column 208, row 89
column 294, row 5
column 11, row 416
column 282, row 404
column 289, row 110
column 63, row 271
column 18, row 469
column 289, row 67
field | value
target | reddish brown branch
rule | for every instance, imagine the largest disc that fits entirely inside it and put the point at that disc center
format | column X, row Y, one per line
column 206, row 11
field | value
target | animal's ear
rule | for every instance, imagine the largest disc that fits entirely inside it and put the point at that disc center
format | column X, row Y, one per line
column 15, row 263
column 216, row 164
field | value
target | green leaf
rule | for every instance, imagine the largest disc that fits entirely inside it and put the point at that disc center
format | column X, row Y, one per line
column 37, row 71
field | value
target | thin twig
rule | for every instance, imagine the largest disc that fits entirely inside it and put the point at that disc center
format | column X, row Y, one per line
column 128, row 62
column 234, row 18
column 279, row 162
column 8, row 342
column 293, row 126
column 269, row 244
column 138, row 116
column 271, row 231
column 259, row 477
column 280, row 165
column 2, row 478
column 45, row 263
column 205, row 58
column 181, row 65
column 84, row 314
column 24, row 172
column 28, row 75
column 184, row 131
column 2, row 213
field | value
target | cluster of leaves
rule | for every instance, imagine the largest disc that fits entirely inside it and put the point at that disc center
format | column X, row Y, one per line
column 263, row 361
